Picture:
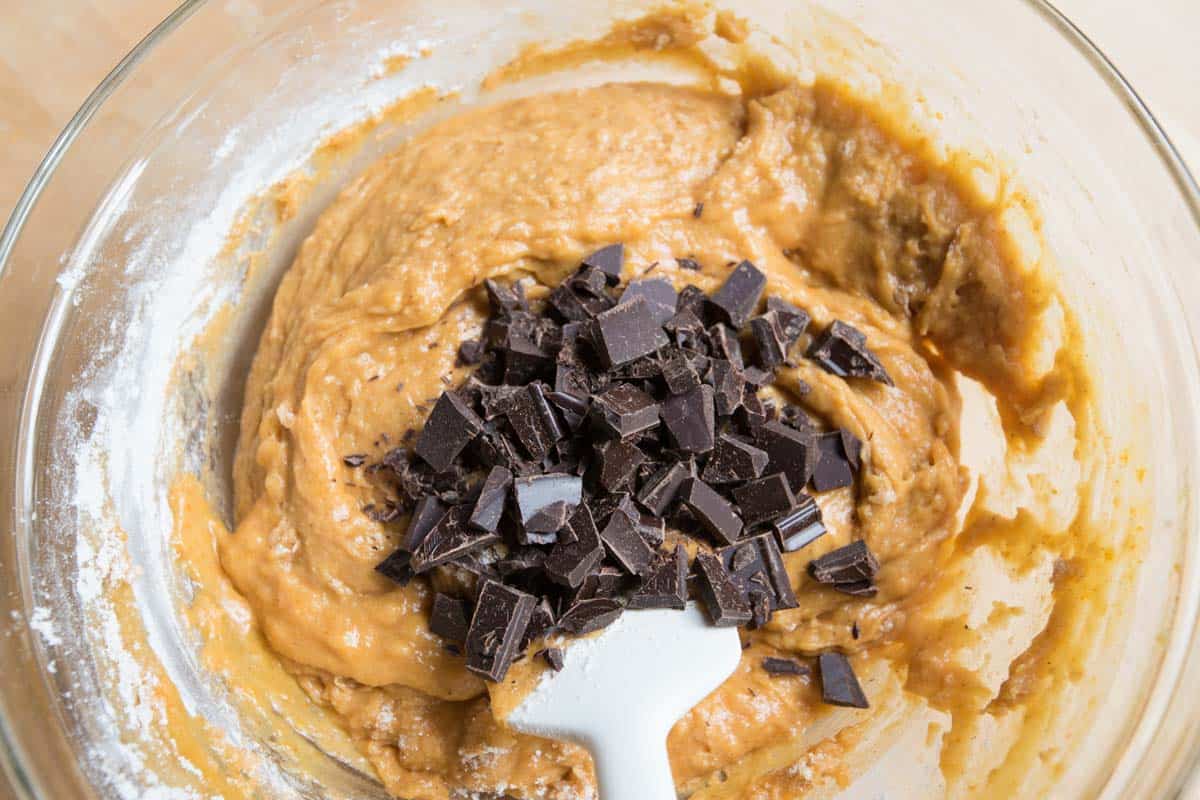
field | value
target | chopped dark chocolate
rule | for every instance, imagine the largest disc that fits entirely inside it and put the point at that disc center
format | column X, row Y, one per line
column 625, row 545
column 570, row 562
column 397, row 567
column 355, row 460
column 662, row 487
column 693, row 300
column 449, row 618
column 728, row 386
column 679, row 374
column 850, row 569
column 712, row 511
column 489, row 506
column 501, row 616
column 738, row 297
column 626, row 332
column 839, row 685
column 547, row 520
column 764, row 499
column 833, row 468
column 470, row 352
column 586, row 616
column 609, row 260
column 665, row 586
column 534, row 493
column 725, row 344
column 734, row 461
column 541, row 622
column 658, row 293
column 451, row 427
column 842, row 350
column 772, row 349
column 727, row 604
column 779, row 584
column 606, row 581
column 616, row 465
column 569, row 305
column 450, row 540
column 504, row 299
column 852, row 448
column 689, row 419
column 426, row 515
column 789, row 451
column 525, row 360
column 801, row 527
column 534, row 421
column 793, row 322
column 625, row 410
column 553, row 656
column 784, row 666
column 652, row 529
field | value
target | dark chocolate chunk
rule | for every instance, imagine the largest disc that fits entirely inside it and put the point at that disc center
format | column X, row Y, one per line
column 758, row 378
column 751, row 415
column 792, row 321
column 728, row 386
column 760, row 608
column 771, row 561
column 388, row 512
column 525, row 360
column 734, row 461
column 794, row 416
column 665, row 586
column 541, row 622
column 801, row 527
column 450, row 540
column 569, row 305
column 658, row 293
column 521, row 563
column 839, row 685
column 553, row 656
column 570, row 562
column 501, row 616
column 534, row 421
column 534, row 493
column 626, row 545
column 690, row 264
column 586, row 616
column 625, row 410
column 355, row 460
column 765, row 499
column 842, row 350
column 449, row 618
column 470, row 352
column 850, row 569
column 689, row 420
column 662, row 487
column 505, row 299
column 616, row 465
column 789, row 451
column 451, row 427
column 727, row 604
column 609, row 260
column 833, row 468
column 489, row 506
column 712, row 511
column 572, row 379
column 397, row 567
column 679, row 374
column 607, row 581
column 725, row 345
column 852, row 448
column 772, row 350
column 652, row 529
column 698, row 210
column 737, row 298
column 693, row 300
column 784, row 666
column 547, row 520
column 627, row 332
column 428, row 512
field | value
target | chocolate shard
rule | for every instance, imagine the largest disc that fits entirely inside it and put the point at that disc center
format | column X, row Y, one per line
column 734, row 461
column 428, row 512
column 658, row 293
column 789, row 451
column 772, row 568
column 842, row 350
column 627, row 332
column 625, row 410
column 712, row 511
column 737, row 298
column 652, row 529
column 768, row 338
column 626, row 545
column 489, row 506
column 449, row 618
column 728, row 386
column 534, row 493
column 784, row 666
column 570, row 562
column 725, row 345
column 793, row 322
column 450, row 540
column 850, row 569
column 521, row 563
column 470, row 352
column 758, row 378
column 525, row 359
column 679, row 374
column 397, row 567
column 553, row 656
column 662, row 487
column 839, row 684
column 586, row 616
column 569, row 305
column 609, row 260
column 690, row 420
column 727, row 604
column 505, row 299
column 548, row 519
column 534, row 421
column 616, row 465
column 572, row 379
column 764, row 499
column 833, row 468
column 606, row 581
column 687, row 331
column 751, row 415
column 665, row 586
column 852, row 448
column 541, row 622
column 501, row 616
column 800, row 527
column 450, row 428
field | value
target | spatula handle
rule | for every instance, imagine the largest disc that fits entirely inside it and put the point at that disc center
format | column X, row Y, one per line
column 634, row 765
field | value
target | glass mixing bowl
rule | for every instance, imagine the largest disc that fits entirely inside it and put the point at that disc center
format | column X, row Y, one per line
column 116, row 258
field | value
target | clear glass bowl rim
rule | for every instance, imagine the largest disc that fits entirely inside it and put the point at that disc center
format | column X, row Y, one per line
column 10, row 759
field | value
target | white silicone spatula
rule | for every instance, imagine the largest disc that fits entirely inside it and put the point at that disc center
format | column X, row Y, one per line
column 620, row 692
